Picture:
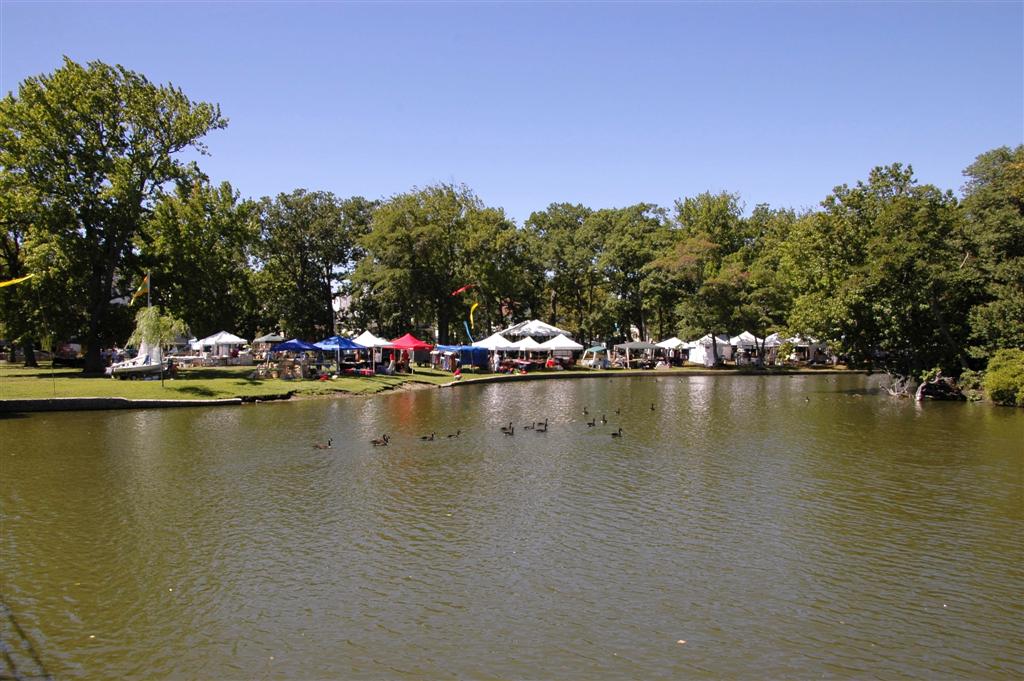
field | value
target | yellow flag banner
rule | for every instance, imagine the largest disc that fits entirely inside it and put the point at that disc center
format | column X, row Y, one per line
column 12, row 282
column 471, row 310
column 143, row 289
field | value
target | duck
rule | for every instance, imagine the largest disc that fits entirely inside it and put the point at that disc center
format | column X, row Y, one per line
column 427, row 437
column 507, row 429
column 592, row 422
column 585, row 412
column 321, row 445
column 541, row 427
column 455, row 434
column 617, row 433
column 652, row 406
column 603, row 419
column 618, row 410
column 530, row 426
column 381, row 441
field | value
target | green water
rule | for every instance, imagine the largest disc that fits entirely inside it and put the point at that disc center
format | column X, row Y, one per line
column 782, row 527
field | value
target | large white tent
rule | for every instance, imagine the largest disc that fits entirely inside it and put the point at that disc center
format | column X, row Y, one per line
column 527, row 344
column 702, row 353
column 368, row 340
column 534, row 327
column 495, row 342
column 220, row 343
column 560, row 342
column 672, row 343
column 744, row 340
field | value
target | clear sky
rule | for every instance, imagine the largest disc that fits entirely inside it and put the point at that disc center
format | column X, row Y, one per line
column 603, row 104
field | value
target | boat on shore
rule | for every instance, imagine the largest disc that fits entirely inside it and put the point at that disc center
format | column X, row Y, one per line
column 149, row 362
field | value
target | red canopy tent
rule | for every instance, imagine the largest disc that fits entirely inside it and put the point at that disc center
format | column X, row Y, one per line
column 410, row 342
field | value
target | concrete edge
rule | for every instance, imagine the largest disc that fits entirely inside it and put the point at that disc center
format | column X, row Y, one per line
column 101, row 403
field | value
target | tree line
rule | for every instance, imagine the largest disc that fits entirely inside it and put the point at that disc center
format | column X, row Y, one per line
column 94, row 193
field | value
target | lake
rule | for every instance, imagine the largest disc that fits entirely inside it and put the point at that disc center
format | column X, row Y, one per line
column 745, row 527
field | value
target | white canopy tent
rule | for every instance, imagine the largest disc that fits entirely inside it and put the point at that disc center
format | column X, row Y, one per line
column 672, row 343
column 744, row 340
column 534, row 327
column 560, row 342
column 527, row 345
column 220, row 343
column 495, row 342
column 701, row 351
column 367, row 339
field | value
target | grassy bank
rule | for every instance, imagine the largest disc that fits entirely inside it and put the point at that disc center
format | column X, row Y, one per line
column 43, row 383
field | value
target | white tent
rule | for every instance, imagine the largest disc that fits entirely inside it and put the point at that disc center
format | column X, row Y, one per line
column 672, row 343
column 560, row 342
column 527, row 344
column 220, row 343
column 368, row 340
column 495, row 342
column 774, row 341
column 744, row 340
column 534, row 327
column 701, row 352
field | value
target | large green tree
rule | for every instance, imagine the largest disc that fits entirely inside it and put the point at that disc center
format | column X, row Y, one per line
column 92, row 146
column 877, row 273
column 307, row 248
column 994, row 211
column 427, row 243
column 199, row 245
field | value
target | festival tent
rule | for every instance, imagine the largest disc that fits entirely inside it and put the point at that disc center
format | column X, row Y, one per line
column 634, row 347
column 534, row 327
column 527, row 345
column 221, row 343
column 469, row 355
column 368, row 340
column 495, row 342
column 744, row 340
column 339, row 343
column 594, row 351
column 410, row 342
column 702, row 353
column 294, row 345
column 672, row 343
column 269, row 338
column 774, row 341
column 560, row 342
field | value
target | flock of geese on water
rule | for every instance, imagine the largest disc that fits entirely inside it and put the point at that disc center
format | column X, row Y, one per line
column 510, row 430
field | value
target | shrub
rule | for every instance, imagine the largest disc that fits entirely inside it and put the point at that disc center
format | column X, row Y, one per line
column 1004, row 379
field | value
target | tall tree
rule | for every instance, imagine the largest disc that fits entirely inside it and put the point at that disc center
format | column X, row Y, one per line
column 424, row 245
column 877, row 273
column 199, row 245
column 994, row 209
column 706, row 258
column 633, row 238
column 93, row 145
column 306, row 249
column 570, row 245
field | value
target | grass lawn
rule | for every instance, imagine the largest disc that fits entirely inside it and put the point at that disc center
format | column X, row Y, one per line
column 17, row 382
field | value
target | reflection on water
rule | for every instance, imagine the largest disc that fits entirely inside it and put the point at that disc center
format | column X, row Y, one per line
column 803, row 526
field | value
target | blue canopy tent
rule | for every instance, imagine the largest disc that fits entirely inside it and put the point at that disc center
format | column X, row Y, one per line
column 469, row 355
column 294, row 345
column 339, row 343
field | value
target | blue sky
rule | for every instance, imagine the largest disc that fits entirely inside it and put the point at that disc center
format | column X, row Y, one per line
column 602, row 104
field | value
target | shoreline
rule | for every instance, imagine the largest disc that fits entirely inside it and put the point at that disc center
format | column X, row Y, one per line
column 68, row 404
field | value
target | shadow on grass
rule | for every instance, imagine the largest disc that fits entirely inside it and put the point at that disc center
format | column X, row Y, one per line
column 195, row 390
